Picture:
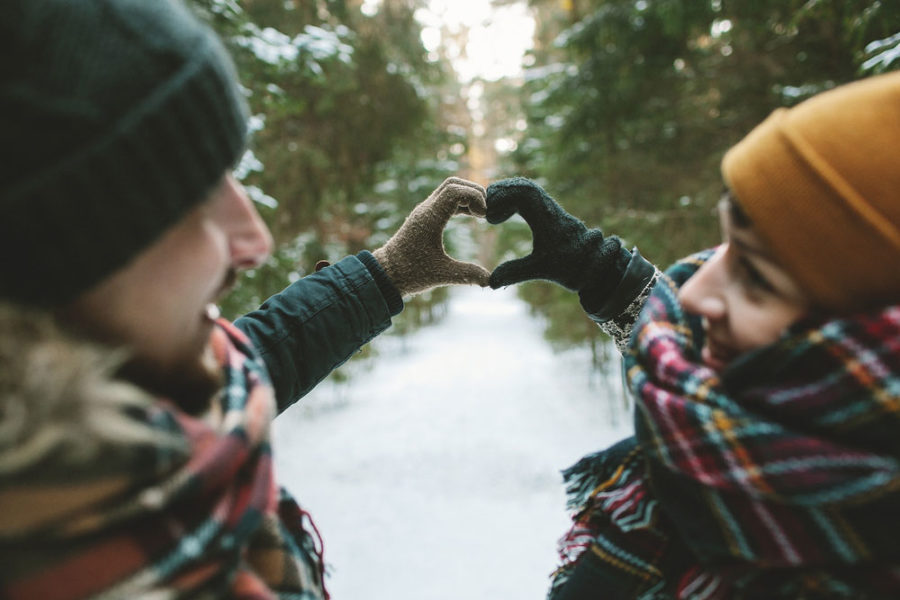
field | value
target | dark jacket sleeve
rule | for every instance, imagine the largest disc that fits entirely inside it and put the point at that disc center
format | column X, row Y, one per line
column 617, row 314
column 316, row 324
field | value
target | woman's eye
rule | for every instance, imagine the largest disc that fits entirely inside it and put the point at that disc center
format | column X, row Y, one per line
column 752, row 276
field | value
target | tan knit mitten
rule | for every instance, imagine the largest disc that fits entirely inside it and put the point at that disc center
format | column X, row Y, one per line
column 415, row 258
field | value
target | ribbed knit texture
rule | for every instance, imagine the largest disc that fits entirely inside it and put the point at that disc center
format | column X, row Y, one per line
column 120, row 115
column 820, row 183
column 564, row 250
column 387, row 288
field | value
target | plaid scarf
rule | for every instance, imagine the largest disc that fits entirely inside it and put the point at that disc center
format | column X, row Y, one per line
column 778, row 478
column 190, row 510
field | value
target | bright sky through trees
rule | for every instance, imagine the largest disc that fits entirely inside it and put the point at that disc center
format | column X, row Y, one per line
column 497, row 36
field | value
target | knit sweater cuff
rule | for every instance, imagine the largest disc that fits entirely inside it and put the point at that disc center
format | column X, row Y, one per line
column 385, row 285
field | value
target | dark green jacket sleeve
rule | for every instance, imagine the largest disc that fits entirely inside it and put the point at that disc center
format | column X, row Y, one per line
column 316, row 324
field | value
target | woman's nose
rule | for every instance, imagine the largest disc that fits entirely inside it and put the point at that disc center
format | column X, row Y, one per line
column 703, row 293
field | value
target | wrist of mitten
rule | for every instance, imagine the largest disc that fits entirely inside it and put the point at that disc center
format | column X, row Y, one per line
column 410, row 273
column 604, row 267
column 392, row 296
column 610, row 296
column 395, row 266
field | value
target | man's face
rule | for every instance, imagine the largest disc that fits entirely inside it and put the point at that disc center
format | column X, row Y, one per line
column 161, row 306
column 744, row 296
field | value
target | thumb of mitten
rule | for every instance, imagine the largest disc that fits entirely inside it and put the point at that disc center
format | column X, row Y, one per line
column 514, row 271
column 458, row 272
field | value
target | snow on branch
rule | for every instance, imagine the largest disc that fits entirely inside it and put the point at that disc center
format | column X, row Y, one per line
column 310, row 48
column 885, row 51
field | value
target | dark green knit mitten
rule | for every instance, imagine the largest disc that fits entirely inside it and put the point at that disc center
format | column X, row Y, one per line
column 415, row 259
column 565, row 251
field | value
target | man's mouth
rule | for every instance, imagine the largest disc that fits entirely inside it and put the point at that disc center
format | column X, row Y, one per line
column 212, row 312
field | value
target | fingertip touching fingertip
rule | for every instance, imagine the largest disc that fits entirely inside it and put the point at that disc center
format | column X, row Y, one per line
column 495, row 283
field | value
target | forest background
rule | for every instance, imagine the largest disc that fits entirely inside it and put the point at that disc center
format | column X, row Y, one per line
column 622, row 110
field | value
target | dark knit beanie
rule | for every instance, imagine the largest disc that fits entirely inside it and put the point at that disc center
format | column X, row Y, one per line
column 117, row 117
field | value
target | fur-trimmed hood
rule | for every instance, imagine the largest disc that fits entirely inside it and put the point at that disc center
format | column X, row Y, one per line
column 59, row 405
column 120, row 494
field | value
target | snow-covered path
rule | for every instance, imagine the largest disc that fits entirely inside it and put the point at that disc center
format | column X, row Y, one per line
column 434, row 474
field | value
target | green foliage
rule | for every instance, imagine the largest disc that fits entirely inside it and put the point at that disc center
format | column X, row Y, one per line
column 350, row 131
column 630, row 104
column 628, row 107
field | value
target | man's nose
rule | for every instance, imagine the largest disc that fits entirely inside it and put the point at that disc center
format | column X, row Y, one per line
column 250, row 241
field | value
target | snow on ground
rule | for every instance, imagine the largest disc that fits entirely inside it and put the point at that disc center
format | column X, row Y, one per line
column 434, row 473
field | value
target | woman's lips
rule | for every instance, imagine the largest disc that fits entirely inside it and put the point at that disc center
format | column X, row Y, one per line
column 716, row 355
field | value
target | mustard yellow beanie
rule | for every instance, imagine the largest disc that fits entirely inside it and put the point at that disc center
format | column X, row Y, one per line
column 821, row 184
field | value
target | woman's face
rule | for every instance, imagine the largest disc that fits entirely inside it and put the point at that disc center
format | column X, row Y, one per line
column 744, row 296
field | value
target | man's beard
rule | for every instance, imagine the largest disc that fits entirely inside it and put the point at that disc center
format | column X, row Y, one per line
column 190, row 382
column 191, row 385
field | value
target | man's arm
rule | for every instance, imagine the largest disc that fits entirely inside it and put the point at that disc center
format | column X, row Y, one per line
column 317, row 323
column 314, row 325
